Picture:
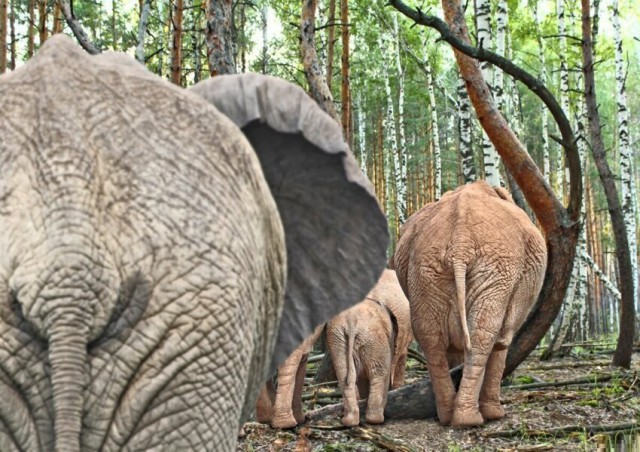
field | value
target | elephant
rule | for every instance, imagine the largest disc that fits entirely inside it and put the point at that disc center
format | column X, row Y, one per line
column 472, row 265
column 368, row 344
column 282, row 408
column 164, row 249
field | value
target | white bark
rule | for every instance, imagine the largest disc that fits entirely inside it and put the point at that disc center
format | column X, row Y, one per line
column 265, row 42
column 464, row 115
column 142, row 30
column 435, row 136
column 389, row 124
column 361, row 115
column 490, row 156
column 608, row 284
column 502, row 20
column 401, row 175
column 564, row 96
column 546, row 165
column 629, row 194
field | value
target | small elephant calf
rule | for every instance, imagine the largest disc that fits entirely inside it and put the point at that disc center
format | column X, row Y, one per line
column 368, row 345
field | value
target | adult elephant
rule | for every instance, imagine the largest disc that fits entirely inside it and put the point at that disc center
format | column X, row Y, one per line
column 157, row 261
column 472, row 265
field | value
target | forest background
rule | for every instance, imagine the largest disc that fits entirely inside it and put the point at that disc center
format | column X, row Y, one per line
column 397, row 92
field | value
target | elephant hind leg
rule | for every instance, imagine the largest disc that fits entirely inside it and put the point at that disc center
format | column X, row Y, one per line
column 490, row 406
column 264, row 406
column 343, row 361
column 296, row 404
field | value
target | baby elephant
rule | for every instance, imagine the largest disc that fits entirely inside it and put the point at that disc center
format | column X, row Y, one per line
column 368, row 345
column 282, row 408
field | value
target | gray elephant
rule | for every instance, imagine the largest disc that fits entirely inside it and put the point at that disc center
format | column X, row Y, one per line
column 472, row 265
column 369, row 344
column 160, row 255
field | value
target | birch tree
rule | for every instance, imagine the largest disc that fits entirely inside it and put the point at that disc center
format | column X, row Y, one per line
column 628, row 189
column 564, row 94
column 546, row 166
column 464, row 115
column 434, row 128
column 142, row 30
column 401, row 176
column 489, row 154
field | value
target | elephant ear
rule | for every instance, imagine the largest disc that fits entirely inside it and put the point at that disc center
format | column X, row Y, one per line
column 336, row 233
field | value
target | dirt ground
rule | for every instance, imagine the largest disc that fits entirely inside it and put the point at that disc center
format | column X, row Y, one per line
column 595, row 404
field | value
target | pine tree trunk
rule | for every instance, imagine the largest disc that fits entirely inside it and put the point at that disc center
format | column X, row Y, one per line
column 114, row 25
column 31, row 29
column 312, row 70
column 345, row 88
column 176, row 54
column 219, row 37
column 142, row 30
column 3, row 36
column 42, row 20
column 628, row 189
column 58, row 19
column 624, row 349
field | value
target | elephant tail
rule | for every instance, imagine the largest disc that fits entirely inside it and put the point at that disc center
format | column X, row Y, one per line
column 460, row 275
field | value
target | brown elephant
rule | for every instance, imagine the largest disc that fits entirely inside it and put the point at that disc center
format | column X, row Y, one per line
column 282, row 407
column 472, row 265
column 368, row 345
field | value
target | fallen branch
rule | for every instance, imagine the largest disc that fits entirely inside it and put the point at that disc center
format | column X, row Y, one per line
column 566, row 365
column 555, row 384
column 380, row 439
column 591, row 429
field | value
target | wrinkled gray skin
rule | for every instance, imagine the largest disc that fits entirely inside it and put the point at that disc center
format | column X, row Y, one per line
column 144, row 258
column 368, row 344
column 472, row 265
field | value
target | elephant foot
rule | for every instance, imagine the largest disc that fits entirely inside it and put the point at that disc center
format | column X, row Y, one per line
column 351, row 419
column 300, row 417
column 466, row 418
column 445, row 414
column 491, row 411
column 284, row 421
column 375, row 416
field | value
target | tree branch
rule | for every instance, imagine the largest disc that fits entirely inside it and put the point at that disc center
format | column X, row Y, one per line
column 76, row 28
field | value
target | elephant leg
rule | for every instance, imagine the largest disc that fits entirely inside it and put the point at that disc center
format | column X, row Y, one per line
column 346, row 374
column 282, row 413
column 490, row 406
column 264, row 405
column 378, row 389
column 296, row 404
column 398, row 370
column 438, row 368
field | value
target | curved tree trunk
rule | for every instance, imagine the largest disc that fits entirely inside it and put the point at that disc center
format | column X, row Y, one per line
column 622, row 355
column 75, row 26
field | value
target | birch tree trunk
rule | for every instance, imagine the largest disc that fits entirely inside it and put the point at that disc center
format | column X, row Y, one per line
column 142, row 30
column 546, row 166
column 331, row 41
column 624, row 349
column 502, row 20
column 564, row 95
column 312, row 69
column 219, row 37
column 362, row 145
column 490, row 156
column 401, row 166
column 466, row 151
column 265, row 42
column 176, row 54
column 627, row 176
column 3, row 36
column 12, row 36
column 435, row 136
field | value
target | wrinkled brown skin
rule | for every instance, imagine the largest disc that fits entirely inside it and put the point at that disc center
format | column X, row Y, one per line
column 368, row 345
column 505, row 258
column 282, row 408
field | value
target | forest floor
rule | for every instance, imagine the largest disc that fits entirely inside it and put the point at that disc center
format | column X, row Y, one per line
column 576, row 403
